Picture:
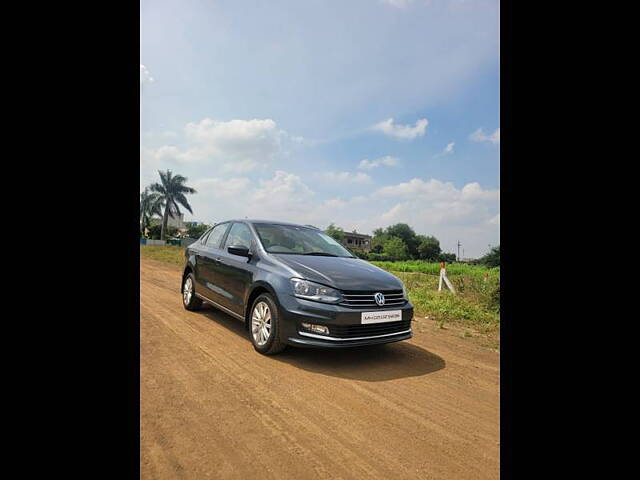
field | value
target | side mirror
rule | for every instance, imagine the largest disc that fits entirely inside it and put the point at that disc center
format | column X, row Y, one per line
column 240, row 250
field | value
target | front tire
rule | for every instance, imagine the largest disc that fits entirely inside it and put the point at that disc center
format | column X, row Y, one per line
column 264, row 327
column 189, row 299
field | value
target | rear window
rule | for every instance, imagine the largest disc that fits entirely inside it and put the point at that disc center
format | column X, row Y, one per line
column 213, row 240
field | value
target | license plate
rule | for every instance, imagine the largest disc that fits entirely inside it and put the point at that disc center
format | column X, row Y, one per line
column 381, row 317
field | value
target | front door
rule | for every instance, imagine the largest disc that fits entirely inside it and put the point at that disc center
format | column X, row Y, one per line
column 235, row 273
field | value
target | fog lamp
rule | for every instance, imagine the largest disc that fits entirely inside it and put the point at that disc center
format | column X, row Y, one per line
column 316, row 328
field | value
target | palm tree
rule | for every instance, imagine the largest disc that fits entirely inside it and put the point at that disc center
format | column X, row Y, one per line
column 171, row 191
column 150, row 204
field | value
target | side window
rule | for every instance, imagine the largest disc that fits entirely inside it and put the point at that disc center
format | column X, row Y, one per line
column 203, row 238
column 213, row 240
column 239, row 235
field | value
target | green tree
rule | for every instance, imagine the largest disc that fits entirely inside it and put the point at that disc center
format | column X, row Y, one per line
column 408, row 236
column 491, row 259
column 195, row 231
column 150, row 205
column 396, row 248
column 335, row 232
column 428, row 248
column 418, row 246
column 172, row 191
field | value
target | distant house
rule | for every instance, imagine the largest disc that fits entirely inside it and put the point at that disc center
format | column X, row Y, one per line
column 357, row 240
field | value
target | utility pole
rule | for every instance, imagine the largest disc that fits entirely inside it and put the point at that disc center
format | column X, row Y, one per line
column 459, row 245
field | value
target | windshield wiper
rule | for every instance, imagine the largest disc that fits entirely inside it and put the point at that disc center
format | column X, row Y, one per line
column 320, row 254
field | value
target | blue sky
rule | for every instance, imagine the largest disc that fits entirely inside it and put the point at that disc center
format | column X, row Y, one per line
column 363, row 113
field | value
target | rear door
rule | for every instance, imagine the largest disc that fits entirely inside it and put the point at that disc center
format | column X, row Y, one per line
column 234, row 272
column 207, row 261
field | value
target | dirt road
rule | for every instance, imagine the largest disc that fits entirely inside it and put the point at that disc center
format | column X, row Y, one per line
column 212, row 407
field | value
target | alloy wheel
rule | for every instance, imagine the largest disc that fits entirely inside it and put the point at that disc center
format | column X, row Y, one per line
column 261, row 323
column 187, row 291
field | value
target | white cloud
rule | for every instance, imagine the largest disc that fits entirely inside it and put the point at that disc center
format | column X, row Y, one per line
column 242, row 166
column 446, row 151
column 284, row 196
column 235, row 145
column 480, row 136
column 402, row 131
column 387, row 160
column 397, row 3
column 145, row 75
column 344, row 177
column 335, row 203
column 220, row 188
column 283, row 187
column 166, row 153
column 235, row 139
column 416, row 186
column 473, row 191
column 396, row 211
column 439, row 203
column 432, row 207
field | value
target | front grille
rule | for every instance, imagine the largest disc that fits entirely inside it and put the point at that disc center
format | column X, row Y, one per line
column 351, row 331
column 359, row 299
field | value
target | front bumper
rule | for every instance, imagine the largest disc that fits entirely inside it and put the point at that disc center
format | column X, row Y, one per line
column 294, row 311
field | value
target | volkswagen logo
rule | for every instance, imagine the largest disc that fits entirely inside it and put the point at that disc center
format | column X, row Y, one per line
column 379, row 298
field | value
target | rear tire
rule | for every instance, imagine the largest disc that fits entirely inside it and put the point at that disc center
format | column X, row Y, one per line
column 264, row 325
column 189, row 299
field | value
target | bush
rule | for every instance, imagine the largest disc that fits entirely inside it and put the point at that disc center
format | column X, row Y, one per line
column 495, row 299
column 359, row 253
column 447, row 257
column 491, row 259
column 380, row 257
column 155, row 231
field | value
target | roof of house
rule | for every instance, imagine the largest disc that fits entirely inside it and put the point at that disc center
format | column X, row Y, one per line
column 356, row 235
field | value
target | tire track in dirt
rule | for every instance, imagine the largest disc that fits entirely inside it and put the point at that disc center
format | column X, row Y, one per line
column 270, row 412
column 212, row 407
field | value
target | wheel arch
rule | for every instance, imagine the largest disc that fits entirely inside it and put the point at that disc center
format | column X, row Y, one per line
column 257, row 289
column 187, row 270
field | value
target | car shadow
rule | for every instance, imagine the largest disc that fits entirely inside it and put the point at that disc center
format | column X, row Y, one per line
column 225, row 320
column 375, row 363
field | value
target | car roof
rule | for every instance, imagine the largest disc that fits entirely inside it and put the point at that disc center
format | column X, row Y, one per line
column 270, row 222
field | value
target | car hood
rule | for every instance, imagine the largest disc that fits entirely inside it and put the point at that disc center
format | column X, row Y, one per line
column 341, row 273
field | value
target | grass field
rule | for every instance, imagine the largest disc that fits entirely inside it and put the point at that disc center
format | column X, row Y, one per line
column 433, row 268
column 475, row 307
column 165, row 253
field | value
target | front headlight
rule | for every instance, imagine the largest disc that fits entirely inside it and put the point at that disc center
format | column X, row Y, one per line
column 314, row 291
column 405, row 294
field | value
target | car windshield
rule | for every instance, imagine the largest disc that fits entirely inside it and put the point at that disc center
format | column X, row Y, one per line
column 290, row 239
